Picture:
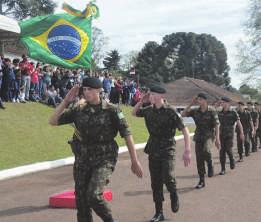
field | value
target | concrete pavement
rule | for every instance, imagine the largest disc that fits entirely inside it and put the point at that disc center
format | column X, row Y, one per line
column 235, row 197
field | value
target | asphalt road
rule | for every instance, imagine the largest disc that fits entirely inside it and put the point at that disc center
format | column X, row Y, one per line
column 235, row 197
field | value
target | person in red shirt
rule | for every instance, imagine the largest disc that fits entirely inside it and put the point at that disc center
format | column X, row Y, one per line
column 35, row 79
column 26, row 71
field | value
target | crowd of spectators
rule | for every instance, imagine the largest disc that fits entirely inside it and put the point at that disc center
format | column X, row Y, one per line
column 23, row 80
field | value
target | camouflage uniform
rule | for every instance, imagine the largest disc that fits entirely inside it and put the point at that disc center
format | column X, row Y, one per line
column 253, row 139
column 204, row 136
column 161, row 124
column 75, row 144
column 245, row 119
column 96, row 156
column 227, row 121
column 258, row 133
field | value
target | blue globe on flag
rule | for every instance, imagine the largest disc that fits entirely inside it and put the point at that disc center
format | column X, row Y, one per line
column 64, row 41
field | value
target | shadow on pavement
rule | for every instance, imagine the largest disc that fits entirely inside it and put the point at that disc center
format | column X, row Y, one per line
column 185, row 190
column 187, row 177
column 22, row 210
column 138, row 193
column 166, row 219
column 149, row 192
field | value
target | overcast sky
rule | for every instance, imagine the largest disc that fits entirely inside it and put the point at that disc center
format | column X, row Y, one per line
column 129, row 24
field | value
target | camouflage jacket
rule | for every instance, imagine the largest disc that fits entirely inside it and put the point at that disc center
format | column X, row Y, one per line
column 227, row 121
column 245, row 119
column 97, row 125
column 254, row 114
column 161, row 124
column 259, row 124
column 205, row 123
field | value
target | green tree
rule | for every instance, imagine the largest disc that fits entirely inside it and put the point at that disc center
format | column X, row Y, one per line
column 254, row 93
column 21, row 9
column 249, row 49
column 147, row 63
column 99, row 42
column 129, row 60
column 247, row 90
column 112, row 61
column 185, row 54
column 197, row 56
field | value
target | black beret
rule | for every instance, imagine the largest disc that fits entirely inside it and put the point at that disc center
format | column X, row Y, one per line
column 157, row 89
column 92, row 82
column 249, row 103
column 241, row 103
column 202, row 95
column 225, row 99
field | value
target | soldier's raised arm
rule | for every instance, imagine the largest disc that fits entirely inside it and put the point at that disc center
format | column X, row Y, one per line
column 188, row 108
column 144, row 98
column 70, row 97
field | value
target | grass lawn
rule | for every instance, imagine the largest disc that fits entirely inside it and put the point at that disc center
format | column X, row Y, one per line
column 26, row 137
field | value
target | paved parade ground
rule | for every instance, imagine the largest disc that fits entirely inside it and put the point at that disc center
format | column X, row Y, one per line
column 235, row 197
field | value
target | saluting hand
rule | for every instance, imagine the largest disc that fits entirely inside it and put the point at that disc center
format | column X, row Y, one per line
column 144, row 97
column 136, row 168
column 72, row 94
column 187, row 158
column 194, row 100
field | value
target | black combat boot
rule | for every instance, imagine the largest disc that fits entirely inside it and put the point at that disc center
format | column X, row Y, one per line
column 174, row 202
column 109, row 220
column 223, row 168
column 159, row 213
column 247, row 151
column 232, row 164
column 222, row 172
column 240, row 157
column 201, row 183
column 210, row 169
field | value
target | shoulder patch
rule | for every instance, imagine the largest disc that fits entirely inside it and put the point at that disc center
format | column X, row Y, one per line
column 120, row 115
column 179, row 115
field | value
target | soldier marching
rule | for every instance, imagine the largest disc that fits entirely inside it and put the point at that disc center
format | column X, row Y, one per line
column 97, row 122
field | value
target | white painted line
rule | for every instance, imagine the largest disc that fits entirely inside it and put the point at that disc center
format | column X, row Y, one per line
column 36, row 167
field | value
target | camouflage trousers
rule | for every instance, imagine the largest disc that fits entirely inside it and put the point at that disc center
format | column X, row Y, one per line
column 253, row 141
column 226, row 148
column 162, row 172
column 203, row 154
column 90, row 180
column 91, row 176
column 258, row 135
column 243, row 144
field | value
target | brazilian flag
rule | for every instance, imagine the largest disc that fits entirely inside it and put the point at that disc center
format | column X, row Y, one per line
column 61, row 39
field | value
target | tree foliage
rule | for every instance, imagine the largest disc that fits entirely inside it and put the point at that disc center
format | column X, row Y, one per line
column 184, row 54
column 249, row 49
column 147, row 63
column 246, row 89
column 112, row 61
column 129, row 60
column 252, row 92
column 99, row 42
column 21, row 9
